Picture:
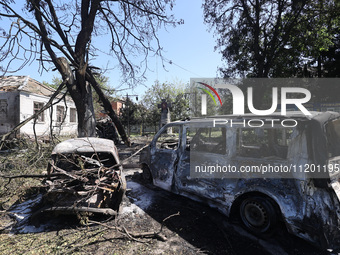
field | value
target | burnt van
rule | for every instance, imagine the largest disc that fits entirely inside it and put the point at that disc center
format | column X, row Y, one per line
column 263, row 169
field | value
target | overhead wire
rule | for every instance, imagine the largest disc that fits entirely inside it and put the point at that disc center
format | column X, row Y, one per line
column 172, row 63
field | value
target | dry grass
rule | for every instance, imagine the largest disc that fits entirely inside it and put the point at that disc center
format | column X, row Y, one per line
column 24, row 159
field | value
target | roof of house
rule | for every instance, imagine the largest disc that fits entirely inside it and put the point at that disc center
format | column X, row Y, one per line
column 24, row 83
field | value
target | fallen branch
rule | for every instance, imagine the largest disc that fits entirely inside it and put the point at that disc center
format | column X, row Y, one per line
column 108, row 107
column 73, row 176
column 134, row 154
column 30, row 175
column 132, row 238
column 124, row 160
column 105, row 211
column 170, row 216
column 63, row 172
column 133, row 235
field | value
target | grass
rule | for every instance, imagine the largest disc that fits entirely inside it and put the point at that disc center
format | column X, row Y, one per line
column 24, row 160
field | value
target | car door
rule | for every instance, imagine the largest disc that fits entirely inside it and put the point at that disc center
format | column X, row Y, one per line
column 205, row 147
column 164, row 150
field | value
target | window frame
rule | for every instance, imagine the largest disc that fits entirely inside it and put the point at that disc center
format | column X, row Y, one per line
column 41, row 116
column 263, row 150
column 60, row 117
column 206, row 135
column 168, row 137
column 73, row 117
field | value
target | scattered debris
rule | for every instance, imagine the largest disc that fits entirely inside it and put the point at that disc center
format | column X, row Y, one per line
column 85, row 176
column 134, row 235
column 106, row 129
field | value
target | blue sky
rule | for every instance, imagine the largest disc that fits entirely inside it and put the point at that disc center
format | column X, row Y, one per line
column 190, row 47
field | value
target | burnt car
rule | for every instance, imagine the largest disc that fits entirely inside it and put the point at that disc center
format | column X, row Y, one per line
column 265, row 170
column 85, row 175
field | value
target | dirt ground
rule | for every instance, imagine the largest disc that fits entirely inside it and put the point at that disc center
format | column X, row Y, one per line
column 193, row 228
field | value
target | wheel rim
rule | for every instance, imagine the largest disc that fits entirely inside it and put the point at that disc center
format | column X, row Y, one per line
column 256, row 215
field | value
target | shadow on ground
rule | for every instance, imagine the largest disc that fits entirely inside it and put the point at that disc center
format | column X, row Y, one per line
column 205, row 228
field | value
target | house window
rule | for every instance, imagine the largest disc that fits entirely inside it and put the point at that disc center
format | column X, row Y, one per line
column 36, row 108
column 60, row 113
column 73, row 115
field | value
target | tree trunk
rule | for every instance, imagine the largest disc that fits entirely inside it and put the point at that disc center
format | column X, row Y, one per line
column 86, row 115
column 108, row 108
column 82, row 99
column 78, row 89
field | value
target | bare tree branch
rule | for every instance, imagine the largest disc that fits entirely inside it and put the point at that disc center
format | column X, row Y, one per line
column 61, row 34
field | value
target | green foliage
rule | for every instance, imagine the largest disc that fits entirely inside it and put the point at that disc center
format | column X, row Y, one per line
column 196, row 104
column 56, row 81
column 25, row 159
column 310, row 41
column 104, row 84
column 176, row 93
column 130, row 114
column 137, row 114
column 273, row 38
column 153, row 117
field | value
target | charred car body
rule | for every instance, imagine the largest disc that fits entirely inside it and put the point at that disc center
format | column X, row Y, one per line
column 85, row 176
column 266, row 172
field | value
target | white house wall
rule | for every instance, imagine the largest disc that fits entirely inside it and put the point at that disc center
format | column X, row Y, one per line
column 9, row 111
column 43, row 128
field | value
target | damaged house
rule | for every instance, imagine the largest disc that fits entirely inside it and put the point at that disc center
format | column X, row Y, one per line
column 22, row 96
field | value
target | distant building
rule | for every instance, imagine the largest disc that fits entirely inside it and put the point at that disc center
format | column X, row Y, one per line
column 117, row 105
column 22, row 96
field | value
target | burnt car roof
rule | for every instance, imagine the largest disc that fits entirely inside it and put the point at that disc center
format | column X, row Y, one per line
column 85, row 144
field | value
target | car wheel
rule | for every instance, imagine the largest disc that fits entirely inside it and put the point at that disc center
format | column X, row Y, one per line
column 146, row 174
column 258, row 215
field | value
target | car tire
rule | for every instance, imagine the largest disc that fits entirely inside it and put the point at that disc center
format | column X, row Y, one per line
column 258, row 215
